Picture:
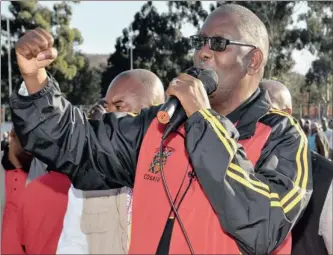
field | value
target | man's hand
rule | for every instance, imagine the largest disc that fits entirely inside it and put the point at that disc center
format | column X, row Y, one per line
column 34, row 52
column 190, row 92
column 14, row 150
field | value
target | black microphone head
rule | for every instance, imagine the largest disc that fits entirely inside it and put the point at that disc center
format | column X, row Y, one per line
column 194, row 71
column 209, row 79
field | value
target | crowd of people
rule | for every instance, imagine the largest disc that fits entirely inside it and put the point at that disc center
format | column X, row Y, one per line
column 239, row 176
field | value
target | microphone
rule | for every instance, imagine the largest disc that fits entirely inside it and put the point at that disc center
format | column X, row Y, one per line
column 172, row 108
column 167, row 110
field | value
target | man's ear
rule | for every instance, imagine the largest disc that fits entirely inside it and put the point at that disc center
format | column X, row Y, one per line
column 256, row 60
column 288, row 110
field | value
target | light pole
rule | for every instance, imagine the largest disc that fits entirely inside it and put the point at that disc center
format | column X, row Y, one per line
column 131, row 37
column 9, row 58
column 131, row 54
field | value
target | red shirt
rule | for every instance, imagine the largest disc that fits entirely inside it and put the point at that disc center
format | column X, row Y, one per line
column 42, row 209
column 15, row 185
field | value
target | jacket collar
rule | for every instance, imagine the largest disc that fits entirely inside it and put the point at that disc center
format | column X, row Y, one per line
column 250, row 112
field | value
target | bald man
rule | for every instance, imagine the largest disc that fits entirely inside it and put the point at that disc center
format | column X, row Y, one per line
column 98, row 222
column 134, row 90
column 279, row 95
column 317, row 218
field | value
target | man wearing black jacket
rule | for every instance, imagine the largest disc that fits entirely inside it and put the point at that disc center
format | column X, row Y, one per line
column 104, row 154
column 312, row 234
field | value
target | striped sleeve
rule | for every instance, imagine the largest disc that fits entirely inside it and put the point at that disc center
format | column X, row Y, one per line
column 257, row 205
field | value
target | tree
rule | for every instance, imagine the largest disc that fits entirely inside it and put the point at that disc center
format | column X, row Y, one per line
column 188, row 11
column 85, row 86
column 294, row 82
column 318, row 38
column 159, row 46
column 29, row 15
column 319, row 81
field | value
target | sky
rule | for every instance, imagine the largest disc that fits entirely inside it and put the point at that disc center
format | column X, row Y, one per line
column 101, row 22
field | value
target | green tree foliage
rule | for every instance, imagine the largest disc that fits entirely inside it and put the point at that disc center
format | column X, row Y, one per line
column 318, row 38
column 158, row 46
column 294, row 81
column 30, row 14
column 84, row 88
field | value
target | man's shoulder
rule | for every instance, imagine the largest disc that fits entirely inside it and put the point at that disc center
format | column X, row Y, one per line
column 281, row 122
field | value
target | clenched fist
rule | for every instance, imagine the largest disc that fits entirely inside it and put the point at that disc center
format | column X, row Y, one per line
column 34, row 52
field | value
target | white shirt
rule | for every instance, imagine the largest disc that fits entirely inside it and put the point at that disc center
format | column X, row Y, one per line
column 329, row 135
column 326, row 223
column 72, row 240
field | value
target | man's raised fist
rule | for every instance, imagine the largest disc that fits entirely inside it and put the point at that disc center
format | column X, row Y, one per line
column 34, row 51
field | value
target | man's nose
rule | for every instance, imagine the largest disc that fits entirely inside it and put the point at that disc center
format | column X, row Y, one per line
column 206, row 53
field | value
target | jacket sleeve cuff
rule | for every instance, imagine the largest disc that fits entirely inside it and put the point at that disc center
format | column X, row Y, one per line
column 21, row 95
column 193, row 119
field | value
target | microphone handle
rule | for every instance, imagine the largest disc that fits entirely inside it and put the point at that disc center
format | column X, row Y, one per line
column 167, row 110
column 177, row 119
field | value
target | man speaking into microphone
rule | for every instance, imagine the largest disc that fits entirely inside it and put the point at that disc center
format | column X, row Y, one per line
column 233, row 179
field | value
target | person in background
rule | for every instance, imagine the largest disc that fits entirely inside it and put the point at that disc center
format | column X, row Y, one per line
column 329, row 135
column 244, row 181
column 320, row 140
column 330, row 126
column 312, row 234
column 279, row 95
column 16, row 163
column 4, row 140
column 41, row 211
column 307, row 131
column 100, row 223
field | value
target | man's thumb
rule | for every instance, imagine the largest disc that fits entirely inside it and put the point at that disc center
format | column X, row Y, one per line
column 49, row 54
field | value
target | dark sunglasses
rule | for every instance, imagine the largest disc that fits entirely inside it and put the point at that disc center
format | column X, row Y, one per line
column 215, row 43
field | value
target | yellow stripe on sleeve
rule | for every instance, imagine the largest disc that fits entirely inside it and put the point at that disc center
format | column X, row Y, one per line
column 298, row 186
column 221, row 128
column 219, row 135
column 132, row 114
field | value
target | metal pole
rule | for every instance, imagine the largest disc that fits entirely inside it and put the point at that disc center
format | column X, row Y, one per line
column 332, row 97
column 131, row 55
column 9, row 59
column 131, row 35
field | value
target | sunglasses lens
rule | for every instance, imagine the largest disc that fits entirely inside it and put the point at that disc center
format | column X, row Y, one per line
column 218, row 43
column 197, row 42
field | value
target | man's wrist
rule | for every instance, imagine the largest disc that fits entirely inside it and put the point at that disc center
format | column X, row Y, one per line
column 194, row 118
column 35, row 82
